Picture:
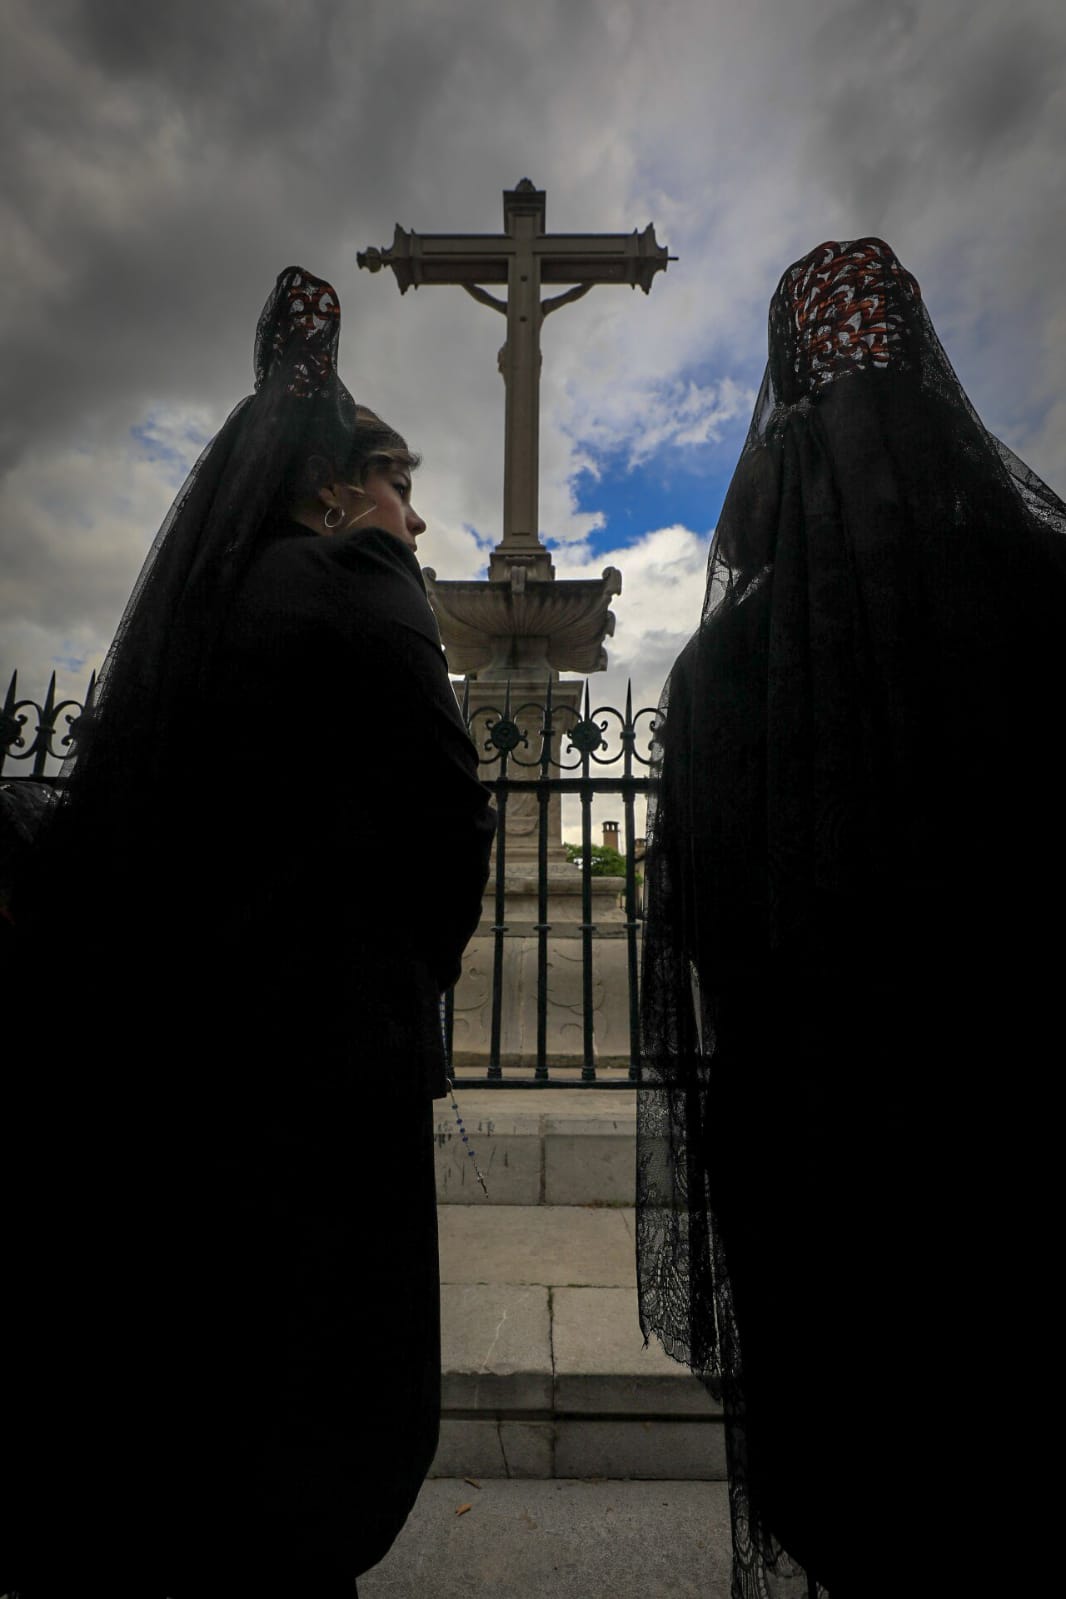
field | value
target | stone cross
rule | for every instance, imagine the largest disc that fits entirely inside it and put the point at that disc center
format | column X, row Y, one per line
column 525, row 258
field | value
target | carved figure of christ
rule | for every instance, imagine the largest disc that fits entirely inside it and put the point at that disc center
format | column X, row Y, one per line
column 525, row 258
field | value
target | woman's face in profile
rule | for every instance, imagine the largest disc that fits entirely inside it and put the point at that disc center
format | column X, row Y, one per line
column 383, row 501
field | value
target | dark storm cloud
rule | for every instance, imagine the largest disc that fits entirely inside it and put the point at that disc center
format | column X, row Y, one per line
column 907, row 96
column 941, row 127
column 137, row 163
column 190, row 47
column 998, row 93
column 158, row 167
column 159, row 164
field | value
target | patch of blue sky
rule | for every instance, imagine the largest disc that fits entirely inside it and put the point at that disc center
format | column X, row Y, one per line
column 675, row 485
column 664, row 456
column 170, row 441
column 69, row 661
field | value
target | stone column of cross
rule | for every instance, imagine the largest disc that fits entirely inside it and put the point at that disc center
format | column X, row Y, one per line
column 525, row 258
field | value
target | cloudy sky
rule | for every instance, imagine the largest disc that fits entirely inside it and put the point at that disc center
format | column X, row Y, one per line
column 161, row 164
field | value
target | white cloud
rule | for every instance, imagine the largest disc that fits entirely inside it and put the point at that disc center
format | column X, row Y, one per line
column 663, row 577
column 639, row 421
column 656, row 613
column 173, row 438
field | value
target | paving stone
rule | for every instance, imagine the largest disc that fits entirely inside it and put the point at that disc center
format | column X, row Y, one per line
column 511, row 1166
column 692, row 1451
column 495, row 1347
column 538, row 1146
column 518, row 1110
column 560, row 1540
column 602, row 1367
column 544, row 1369
column 589, row 1163
column 552, row 1245
column 585, row 1120
column 505, row 1133
column 494, row 1448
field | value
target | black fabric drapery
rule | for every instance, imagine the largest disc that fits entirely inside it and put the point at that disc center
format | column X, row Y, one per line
column 160, row 658
column 222, row 1366
column 855, row 887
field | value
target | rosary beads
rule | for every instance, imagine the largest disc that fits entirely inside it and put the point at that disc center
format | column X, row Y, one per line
column 463, row 1135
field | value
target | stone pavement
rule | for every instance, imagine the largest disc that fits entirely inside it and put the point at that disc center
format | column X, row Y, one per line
column 543, row 1146
column 559, row 1540
column 545, row 1373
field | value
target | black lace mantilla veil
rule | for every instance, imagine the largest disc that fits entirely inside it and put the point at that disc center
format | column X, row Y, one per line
column 854, row 888
column 162, row 650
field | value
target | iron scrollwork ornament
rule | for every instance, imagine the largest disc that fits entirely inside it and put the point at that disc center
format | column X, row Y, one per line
column 506, row 735
column 587, row 736
column 11, row 732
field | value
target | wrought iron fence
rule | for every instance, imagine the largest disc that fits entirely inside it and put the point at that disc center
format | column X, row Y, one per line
column 551, row 750
column 30, row 750
column 543, row 748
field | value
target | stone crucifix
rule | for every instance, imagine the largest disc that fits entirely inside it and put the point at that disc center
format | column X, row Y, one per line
column 525, row 258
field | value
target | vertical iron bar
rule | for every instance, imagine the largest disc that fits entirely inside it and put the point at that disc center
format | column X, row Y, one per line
column 8, row 713
column 499, row 929
column 588, row 1067
column 45, row 727
column 86, row 711
column 543, row 795
column 628, row 738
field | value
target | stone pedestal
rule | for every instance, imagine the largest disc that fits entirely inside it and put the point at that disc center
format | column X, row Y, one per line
column 565, row 1016
column 512, row 635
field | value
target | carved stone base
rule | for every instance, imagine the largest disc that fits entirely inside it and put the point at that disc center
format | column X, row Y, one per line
column 565, row 1023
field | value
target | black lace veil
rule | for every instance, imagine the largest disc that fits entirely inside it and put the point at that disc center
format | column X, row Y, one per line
column 161, row 654
column 844, row 930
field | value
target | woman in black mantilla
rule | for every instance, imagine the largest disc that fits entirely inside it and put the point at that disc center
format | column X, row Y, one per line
column 268, row 862
column 855, row 886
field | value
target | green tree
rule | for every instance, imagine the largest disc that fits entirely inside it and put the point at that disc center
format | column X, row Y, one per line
column 605, row 862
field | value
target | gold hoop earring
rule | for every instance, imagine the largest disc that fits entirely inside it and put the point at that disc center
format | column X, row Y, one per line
column 340, row 518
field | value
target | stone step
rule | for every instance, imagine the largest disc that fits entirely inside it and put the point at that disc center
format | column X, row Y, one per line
column 544, row 1368
column 552, row 1146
